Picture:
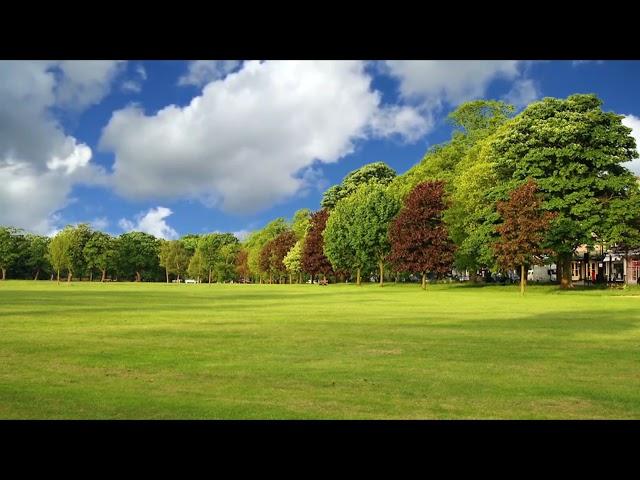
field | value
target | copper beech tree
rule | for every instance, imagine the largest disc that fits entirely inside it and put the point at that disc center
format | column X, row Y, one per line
column 522, row 231
column 419, row 238
column 314, row 260
column 273, row 253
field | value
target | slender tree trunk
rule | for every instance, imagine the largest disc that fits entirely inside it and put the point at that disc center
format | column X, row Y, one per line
column 37, row 274
column 381, row 265
column 91, row 276
column 138, row 276
column 358, row 277
column 565, row 261
column 523, row 279
column 300, row 277
column 424, row 281
column 69, row 275
column 166, row 272
column 209, row 276
column 58, row 276
column 4, row 274
column 104, row 275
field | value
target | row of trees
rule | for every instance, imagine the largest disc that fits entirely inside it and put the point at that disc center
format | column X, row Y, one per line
column 504, row 192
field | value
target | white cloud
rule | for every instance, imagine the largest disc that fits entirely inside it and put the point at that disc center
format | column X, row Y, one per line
column 401, row 120
column 633, row 123
column 39, row 163
column 99, row 223
column 85, row 82
column 78, row 158
column 577, row 63
column 201, row 72
column 435, row 82
column 247, row 141
column 522, row 93
column 131, row 86
column 152, row 222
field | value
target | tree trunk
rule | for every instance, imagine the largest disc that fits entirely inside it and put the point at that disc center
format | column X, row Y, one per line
column 300, row 277
column 209, row 276
column 358, row 277
column 104, row 275
column 381, row 265
column 270, row 278
column 4, row 274
column 166, row 271
column 37, row 274
column 58, row 276
column 69, row 275
column 138, row 276
column 565, row 261
column 523, row 279
column 91, row 276
column 473, row 276
column 424, row 281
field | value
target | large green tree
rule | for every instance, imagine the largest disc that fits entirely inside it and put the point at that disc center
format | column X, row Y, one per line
column 100, row 253
column 36, row 255
column 576, row 152
column 11, row 244
column 58, row 254
column 137, row 254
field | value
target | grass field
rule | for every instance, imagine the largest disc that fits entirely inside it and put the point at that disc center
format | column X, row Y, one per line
column 124, row 351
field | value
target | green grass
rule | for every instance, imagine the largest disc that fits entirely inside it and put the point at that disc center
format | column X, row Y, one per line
column 277, row 351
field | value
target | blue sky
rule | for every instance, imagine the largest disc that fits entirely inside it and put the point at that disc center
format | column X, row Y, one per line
column 177, row 147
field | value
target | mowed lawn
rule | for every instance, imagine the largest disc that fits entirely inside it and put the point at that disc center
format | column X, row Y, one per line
column 138, row 351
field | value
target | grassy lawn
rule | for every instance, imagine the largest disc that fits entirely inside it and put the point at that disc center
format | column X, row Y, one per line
column 303, row 351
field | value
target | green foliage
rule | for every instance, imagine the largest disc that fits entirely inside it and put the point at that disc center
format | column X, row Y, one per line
column 100, row 252
column 197, row 268
column 59, row 248
column 300, row 222
column 190, row 242
column 575, row 151
column 36, row 255
column 257, row 240
column 356, row 233
column 293, row 259
column 137, row 253
column 378, row 173
column 79, row 235
column 11, row 244
column 225, row 266
column 210, row 245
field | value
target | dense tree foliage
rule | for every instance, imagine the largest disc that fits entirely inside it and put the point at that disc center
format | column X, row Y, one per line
column 575, row 151
column 522, row 231
column 137, row 254
column 378, row 172
column 419, row 238
column 100, row 253
column 11, row 242
column 313, row 258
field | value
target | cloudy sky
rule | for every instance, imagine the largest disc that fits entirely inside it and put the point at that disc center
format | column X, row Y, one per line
column 171, row 147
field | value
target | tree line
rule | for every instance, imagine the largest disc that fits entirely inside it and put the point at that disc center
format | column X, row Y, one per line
column 505, row 192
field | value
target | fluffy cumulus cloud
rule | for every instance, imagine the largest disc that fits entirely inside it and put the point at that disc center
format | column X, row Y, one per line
column 39, row 163
column 201, row 72
column 435, row 82
column 633, row 123
column 152, row 222
column 250, row 138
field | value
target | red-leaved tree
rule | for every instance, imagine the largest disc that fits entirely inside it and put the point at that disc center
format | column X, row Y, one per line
column 522, row 231
column 419, row 238
column 273, row 254
column 313, row 258
column 242, row 264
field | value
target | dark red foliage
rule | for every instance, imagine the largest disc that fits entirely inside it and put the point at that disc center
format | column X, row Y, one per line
column 524, row 227
column 242, row 264
column 313, row 258
column 274, row 252
column 419, row 238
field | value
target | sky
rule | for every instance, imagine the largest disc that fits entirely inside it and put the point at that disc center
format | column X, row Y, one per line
column 178, row 147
